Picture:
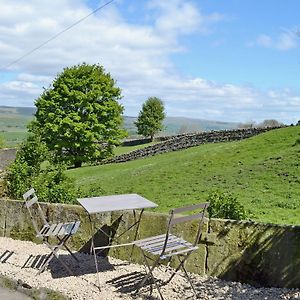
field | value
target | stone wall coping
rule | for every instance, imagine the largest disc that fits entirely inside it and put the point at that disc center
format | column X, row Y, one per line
column 226, row 221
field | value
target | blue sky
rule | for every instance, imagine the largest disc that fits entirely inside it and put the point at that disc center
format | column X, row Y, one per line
column 225, row 60
column 228, row 54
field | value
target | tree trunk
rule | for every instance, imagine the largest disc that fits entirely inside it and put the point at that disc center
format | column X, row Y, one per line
column 78, row 163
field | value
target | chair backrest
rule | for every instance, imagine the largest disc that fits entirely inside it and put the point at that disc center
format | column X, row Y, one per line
column 198, row 214
column 31, row 201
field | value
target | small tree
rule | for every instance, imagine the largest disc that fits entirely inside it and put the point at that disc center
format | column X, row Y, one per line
column 79, row 116
column 150, row 119
column 270, row 123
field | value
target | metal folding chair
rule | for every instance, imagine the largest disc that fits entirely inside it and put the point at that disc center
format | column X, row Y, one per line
column 166, row 246
column 61, row 231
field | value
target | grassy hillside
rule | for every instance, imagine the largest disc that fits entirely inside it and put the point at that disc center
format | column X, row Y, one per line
column 263, row 172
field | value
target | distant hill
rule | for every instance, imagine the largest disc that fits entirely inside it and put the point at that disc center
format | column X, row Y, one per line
column 19, row 111
column 176, row 125
column 13, row 122
column 14, row 119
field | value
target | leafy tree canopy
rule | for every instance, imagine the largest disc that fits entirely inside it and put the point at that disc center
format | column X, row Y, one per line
column 150, row 119
column 270, row 123
column 79, row 116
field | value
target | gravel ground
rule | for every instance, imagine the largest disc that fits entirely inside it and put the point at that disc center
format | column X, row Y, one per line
column 118, row 279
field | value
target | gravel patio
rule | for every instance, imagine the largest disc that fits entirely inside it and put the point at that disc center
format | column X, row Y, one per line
column 118, row 278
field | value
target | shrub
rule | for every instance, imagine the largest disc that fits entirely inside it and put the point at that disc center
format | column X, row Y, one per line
column 34, row 167
column 297, row 142
column 18, row 178
column 225, row 206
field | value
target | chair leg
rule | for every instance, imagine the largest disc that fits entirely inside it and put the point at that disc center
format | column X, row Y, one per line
column 150, row 274
column 46, row 262
column 54, row 250
column 179, row 266
column 188, row 277
column 67, row 248
column 63, row 264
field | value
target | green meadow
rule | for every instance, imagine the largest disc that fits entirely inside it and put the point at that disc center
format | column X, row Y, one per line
column 127, row 149
column 13, row 138
column 13, row 124
column 262, row 172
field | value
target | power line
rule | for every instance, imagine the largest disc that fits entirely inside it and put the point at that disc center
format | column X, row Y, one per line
column 55, row 36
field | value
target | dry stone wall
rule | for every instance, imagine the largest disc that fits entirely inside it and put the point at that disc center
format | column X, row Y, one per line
column 6, row 157
column 185, row 141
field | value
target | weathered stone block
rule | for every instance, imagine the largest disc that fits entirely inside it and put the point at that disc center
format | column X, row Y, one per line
column 260, row 254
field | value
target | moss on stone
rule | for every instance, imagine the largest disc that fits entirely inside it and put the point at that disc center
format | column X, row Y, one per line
column 37, row 294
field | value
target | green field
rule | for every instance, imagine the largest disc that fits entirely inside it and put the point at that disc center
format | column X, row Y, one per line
column 263, row 172
column 126, row 149
column 13, row 138
column 13, row 124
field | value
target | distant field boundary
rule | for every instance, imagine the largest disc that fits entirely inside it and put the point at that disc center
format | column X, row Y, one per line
column 7, row 155
column 184, row 141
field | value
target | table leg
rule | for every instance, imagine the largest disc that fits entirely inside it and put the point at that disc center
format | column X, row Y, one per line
column 137, row 222
column 94, row 251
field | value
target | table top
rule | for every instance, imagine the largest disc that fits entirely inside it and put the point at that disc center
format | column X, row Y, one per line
column 102, row 204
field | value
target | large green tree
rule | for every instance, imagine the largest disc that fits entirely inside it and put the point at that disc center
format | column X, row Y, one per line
column 150, row 119
column 79, row 116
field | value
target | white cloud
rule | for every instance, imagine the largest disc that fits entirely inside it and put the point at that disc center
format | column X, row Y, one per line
column 177, row 17
column 285, row 41
column 265, row 41
column 138, row 56
column 129, row 52
column 200, row 98
column 182, row 17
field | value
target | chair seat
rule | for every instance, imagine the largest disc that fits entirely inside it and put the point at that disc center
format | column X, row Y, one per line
column 175, row 245
column 60, row 229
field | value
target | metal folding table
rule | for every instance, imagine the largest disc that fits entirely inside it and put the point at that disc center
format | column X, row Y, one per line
column 113, row 203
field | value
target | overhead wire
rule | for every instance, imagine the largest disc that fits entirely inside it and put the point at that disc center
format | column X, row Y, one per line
column 55, row 36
